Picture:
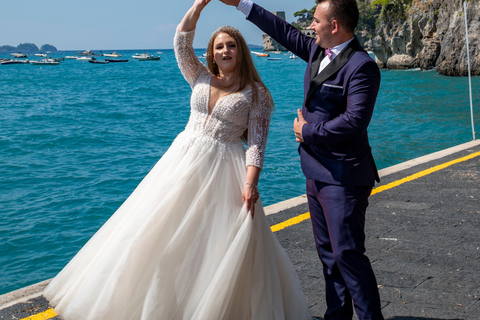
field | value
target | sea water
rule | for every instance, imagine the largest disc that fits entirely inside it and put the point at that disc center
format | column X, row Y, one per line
column 76, row 139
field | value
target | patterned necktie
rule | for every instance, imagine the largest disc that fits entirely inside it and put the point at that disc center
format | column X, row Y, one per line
column 329, row 53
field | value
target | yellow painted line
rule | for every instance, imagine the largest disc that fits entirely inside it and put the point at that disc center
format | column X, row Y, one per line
column 305, row 216
column 47, row 314
column 423, row 173
column 290, row 222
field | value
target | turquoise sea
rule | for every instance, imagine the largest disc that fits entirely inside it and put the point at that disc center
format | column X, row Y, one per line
column 75, row 140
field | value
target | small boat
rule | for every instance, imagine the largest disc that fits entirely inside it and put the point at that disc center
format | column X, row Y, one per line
column 86, row 53
column 18, row 55
column 116, row 60
column 13, row 61
column 293, row 57
column 112, row 55
column 145, row 57
column 93, row 60
column 71, row 57
column 40, row 55
column 83, row 59
column 46, row 62
column 274, row 58
column 262, row 55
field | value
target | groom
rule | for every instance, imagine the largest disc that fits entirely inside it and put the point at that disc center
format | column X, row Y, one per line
column 340, row 85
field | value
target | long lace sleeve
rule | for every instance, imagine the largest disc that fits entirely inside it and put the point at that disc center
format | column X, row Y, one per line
column 190, row 67
column 258, row 125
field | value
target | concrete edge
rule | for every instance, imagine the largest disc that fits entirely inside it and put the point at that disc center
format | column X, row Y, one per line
column 429, row 157
column 35, row 290
column 287, row 204
column 23, row 295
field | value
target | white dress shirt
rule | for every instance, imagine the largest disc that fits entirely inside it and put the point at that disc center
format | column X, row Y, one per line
column 335, row 51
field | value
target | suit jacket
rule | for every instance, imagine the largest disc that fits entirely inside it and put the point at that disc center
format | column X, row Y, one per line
column 338, row 105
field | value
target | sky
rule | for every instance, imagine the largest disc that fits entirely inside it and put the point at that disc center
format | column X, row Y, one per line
column 123, row 24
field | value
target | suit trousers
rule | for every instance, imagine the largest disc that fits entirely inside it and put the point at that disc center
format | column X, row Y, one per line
column 338, row 219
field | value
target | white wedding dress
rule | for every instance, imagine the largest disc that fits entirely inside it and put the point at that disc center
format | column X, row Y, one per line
column 182, row 246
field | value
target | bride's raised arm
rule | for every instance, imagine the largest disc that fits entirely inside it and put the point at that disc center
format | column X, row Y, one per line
column 188, row 62
column 190, row 19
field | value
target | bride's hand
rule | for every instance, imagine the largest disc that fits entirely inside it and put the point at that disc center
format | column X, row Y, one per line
column 249, row 197
column 190, row 19
column 201, row 3
column 231, row 2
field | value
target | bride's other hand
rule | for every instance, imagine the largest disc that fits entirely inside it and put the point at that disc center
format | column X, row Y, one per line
column 231, row 2
column 250, row 196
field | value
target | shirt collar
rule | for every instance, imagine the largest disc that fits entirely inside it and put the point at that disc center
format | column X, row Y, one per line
column 337, row 49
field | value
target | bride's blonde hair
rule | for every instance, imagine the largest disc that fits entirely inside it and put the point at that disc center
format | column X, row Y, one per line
column 245, row 69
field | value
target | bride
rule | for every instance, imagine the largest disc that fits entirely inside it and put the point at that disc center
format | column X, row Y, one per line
column 191, row 242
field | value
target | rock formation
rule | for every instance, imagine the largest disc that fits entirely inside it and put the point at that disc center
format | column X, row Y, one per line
column 269, row 44
column 431, row 35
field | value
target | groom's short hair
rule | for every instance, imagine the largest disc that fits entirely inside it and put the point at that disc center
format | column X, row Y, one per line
column 344, row 11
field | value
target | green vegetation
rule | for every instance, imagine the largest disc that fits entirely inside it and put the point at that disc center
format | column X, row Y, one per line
column 304, row 18
column 392, row 9
column 371, row 12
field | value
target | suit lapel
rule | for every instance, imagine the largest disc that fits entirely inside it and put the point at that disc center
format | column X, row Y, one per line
column 316, row 64
column 332, row 68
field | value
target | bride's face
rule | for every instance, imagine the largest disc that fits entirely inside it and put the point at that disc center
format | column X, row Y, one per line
column 225, row 53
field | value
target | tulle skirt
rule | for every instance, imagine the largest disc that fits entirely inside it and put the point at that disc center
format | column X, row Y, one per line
column 182, row 246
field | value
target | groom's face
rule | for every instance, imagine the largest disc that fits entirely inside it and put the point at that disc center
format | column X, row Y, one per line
column 322, row 25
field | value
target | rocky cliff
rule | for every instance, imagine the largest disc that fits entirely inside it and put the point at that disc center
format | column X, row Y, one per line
column 431, row 34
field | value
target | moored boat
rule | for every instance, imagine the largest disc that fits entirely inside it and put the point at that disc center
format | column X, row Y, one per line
column 116, row 60
column 85, row 58
column 93, row 60
column 145, row 57
column 45, row 62
column 112, row 55
column 14, row 61
column 86, row 53
column 40, row 55
column 18, row 55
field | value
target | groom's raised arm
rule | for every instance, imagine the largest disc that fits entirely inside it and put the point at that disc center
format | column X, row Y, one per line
column 280, row 30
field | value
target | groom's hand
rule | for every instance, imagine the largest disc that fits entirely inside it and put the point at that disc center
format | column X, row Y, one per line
column 231, row 2
column 298, row 126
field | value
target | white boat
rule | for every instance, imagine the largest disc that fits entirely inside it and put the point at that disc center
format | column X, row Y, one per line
column 274, row 58
column 84, row 58
column 13, row 61
column 18, row 55
column 40, row 55
column 86, row 53
column 145, row 57
column 51, row 62
column 113, row 55
column 293, row 56
column 71, row 57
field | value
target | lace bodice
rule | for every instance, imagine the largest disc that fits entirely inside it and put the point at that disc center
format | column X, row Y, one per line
column 232, row 114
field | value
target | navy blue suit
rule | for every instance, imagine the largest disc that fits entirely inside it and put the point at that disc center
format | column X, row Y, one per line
column 337, row 162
